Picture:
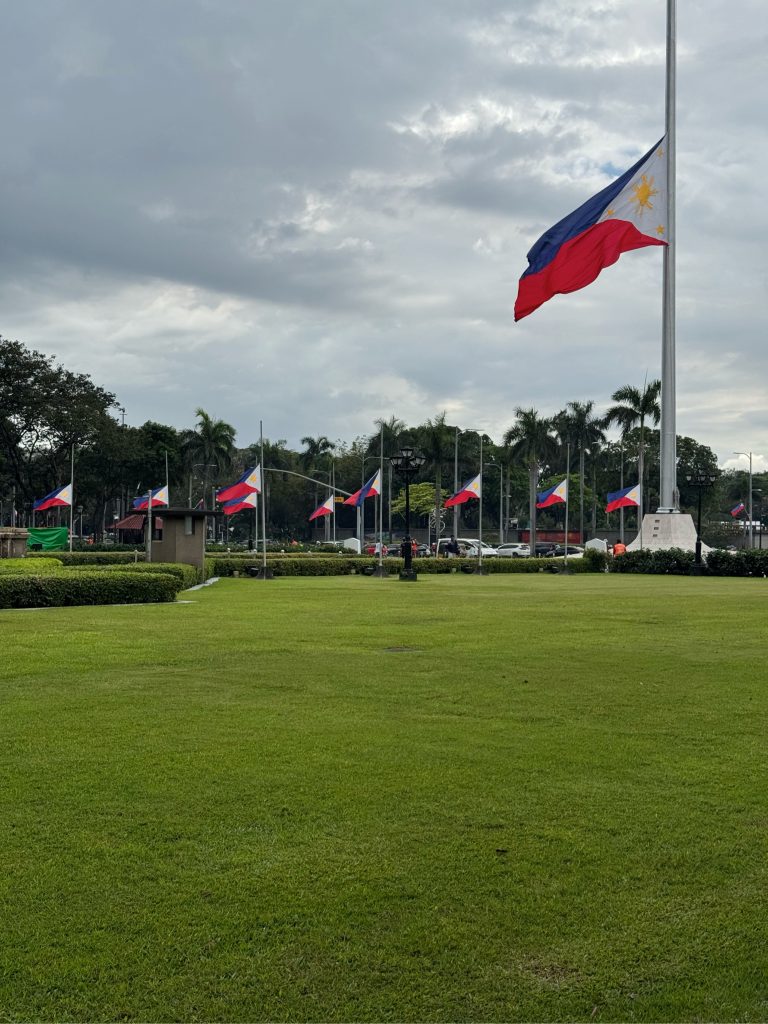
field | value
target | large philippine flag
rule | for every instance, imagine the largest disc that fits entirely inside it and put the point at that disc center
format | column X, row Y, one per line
column 628, row 214
column 159, row 497
column 56, row 499
column 249, row 483
column 248, row 501
column 326, row 509
column 471, row 489
column 556, row 495
column 627, row 498
column 369, row 489
column 738, row 509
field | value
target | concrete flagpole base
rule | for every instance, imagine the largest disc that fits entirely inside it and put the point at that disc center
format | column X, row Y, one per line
column 663, row 530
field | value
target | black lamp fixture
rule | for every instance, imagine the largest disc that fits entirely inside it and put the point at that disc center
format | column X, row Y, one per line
column 701, row 479
column 407, row 463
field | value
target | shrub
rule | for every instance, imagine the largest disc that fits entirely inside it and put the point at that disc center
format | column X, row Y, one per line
column 188, row 574
column 669, row 561
column 29, row 566
column 70, row 588
column 737, row 563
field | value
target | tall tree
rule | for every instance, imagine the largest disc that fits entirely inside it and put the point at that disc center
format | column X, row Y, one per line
column 634, row 407
column 586, row 433
column 44, row 411
column 210, row 447
column 531, row 442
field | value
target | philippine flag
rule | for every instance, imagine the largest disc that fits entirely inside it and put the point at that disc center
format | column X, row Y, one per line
column 556, row 495
column 159, row 497
column 56, row 499
column 735, row 511
column 248, row 501
column 248, row 483
column 471, row 489
column 326, row 509
column 628, row 498
column 628, row 214
column 372, row 488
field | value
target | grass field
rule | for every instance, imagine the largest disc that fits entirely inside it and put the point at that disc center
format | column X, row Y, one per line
column 499, row 798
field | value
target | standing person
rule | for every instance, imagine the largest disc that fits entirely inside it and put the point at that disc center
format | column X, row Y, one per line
column 452, row 548
column 619, row 549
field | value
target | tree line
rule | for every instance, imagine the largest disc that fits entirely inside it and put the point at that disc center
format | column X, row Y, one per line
column 46, row 409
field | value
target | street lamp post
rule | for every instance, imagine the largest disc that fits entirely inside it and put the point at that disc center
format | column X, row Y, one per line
column 701, row 480
column 501, row 498
column 407, row 463
column 748, row 455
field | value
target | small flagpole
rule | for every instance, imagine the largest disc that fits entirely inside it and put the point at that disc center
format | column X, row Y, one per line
column 621, row 486
column 333, row 492
column 263, row 503
column 71, row 500
column 168, row 483
column 567, row 496
column 668, row 488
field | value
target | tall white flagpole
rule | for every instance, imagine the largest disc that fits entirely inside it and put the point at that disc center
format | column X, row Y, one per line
column 71, row 500
column 381, row 498
column 668, row 483
column 480, row 520
column 263, row 504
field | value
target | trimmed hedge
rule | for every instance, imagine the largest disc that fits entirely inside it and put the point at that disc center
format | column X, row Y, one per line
column 738, row 563
column 334, row 565
column 93, row 557
column 87, row 588
column 188, row 574
column 668, row 562
column 29, row 567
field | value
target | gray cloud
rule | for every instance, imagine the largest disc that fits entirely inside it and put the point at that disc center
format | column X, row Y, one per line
column 325, row 207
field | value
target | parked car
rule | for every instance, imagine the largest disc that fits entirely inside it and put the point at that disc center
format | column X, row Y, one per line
column 574, row 551
column 513, row 550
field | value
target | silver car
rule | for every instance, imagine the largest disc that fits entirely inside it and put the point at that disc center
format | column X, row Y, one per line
column 513, row 550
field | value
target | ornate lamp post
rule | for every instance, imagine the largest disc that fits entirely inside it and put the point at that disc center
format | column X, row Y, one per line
column 701, row 480
column 407, row 463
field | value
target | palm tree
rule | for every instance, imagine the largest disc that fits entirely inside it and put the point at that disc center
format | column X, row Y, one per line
column 531, row 441
column 634, row 408
column 586, row 433
column 436, row 439
column 317, row 457
column 210, row 446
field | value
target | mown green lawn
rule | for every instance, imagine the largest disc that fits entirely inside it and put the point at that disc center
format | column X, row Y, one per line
column 485, row 799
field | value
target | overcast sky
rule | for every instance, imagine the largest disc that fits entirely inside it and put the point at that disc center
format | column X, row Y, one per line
column 315, row 213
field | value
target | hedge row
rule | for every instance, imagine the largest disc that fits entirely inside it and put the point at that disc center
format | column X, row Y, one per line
column 28, row 567
column 188, row 574
column 69, row 588
column 92, row 557
column 335, row 566
column 676, row 562
column 738, row 563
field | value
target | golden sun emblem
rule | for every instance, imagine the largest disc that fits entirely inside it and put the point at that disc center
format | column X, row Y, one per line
column 643, row 191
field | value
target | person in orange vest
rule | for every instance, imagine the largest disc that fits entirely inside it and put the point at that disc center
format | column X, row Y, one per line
column 619, row 549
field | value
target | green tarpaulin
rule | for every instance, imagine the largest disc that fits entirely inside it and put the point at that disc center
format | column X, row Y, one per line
column 52, row 538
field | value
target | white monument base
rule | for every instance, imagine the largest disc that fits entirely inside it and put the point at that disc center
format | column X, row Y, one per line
column 662, row 530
